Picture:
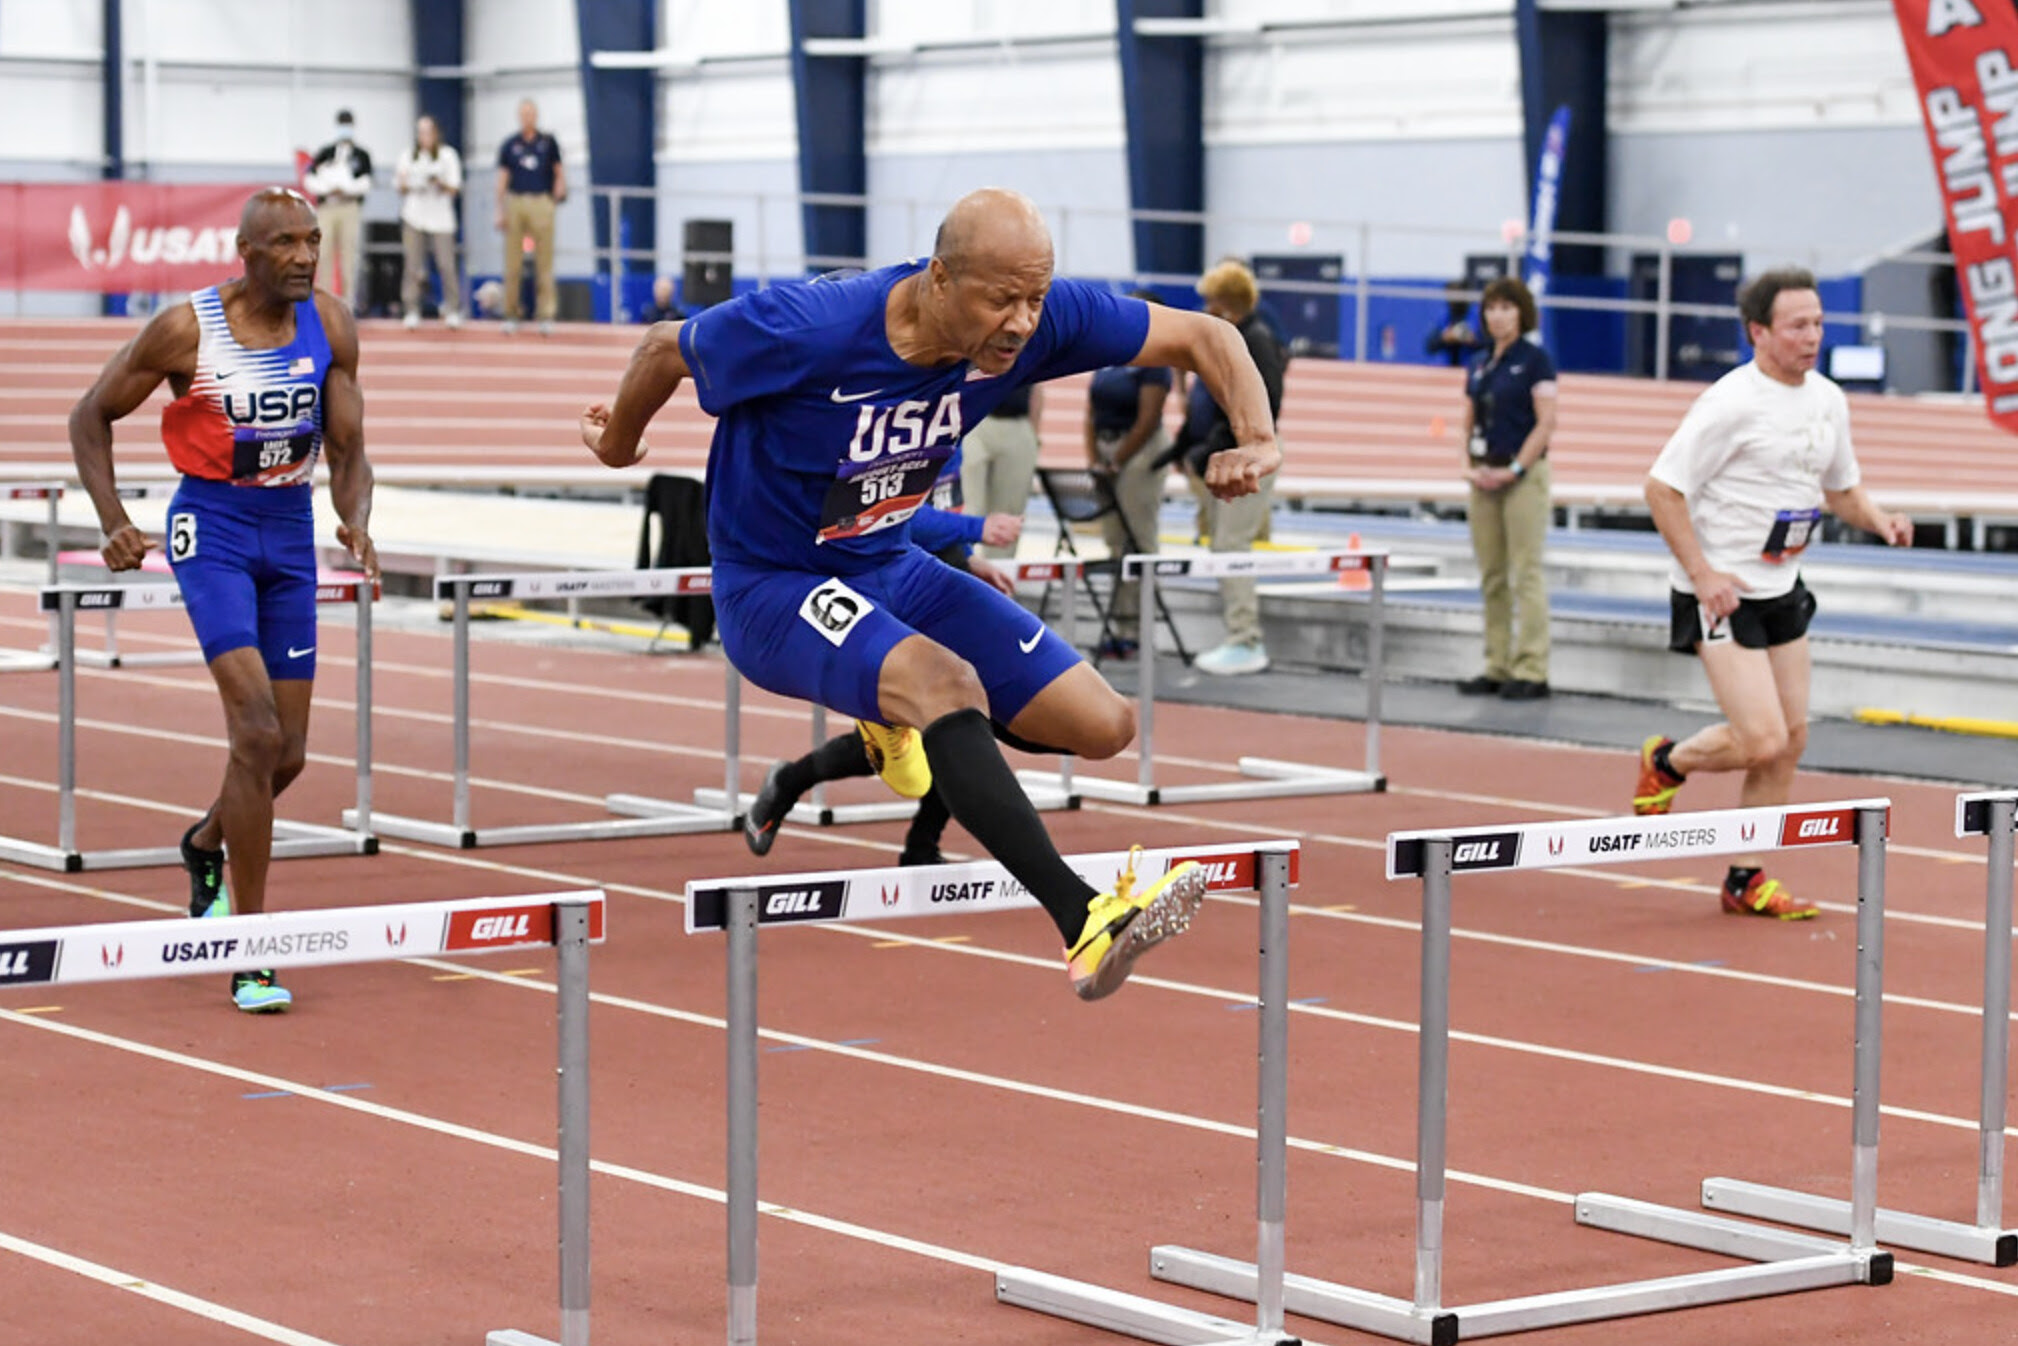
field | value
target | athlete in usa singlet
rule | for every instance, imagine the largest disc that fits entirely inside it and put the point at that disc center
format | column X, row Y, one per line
column 246, row 435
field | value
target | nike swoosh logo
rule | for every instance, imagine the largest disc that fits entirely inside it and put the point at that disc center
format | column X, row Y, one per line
column 293, row 653
column 1028, row 645
column 223, row 374
column 839, row 396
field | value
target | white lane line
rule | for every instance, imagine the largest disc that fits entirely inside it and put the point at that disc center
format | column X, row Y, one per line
column 160, row 1294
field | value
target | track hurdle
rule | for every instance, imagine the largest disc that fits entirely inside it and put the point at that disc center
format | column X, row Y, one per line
column 1987, row 1240
column 291, row 840
column 569, row 922
column 41, row 661
column 739, row 906
column 1784, row 1261
column 1048, row 792
column 1267, row 778
column 662, row 820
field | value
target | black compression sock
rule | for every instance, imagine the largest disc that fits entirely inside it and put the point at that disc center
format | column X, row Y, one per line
column 927, row 825
column 1738, row 877
column 839, row 758
column 981, row 791
column 1664, row 766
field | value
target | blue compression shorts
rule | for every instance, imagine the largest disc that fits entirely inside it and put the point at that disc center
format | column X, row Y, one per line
column 823, row 639
column 245, row 558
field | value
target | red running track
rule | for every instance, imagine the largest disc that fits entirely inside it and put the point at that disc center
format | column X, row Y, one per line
column 939, row 1084
column 444, row 400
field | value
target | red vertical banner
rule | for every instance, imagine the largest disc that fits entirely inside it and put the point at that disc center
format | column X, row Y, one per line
column 120, row 236
column 1968, row 97
column 1962, row 57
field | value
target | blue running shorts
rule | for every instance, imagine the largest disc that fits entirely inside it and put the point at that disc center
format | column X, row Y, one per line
column 823, row 638
column 245, row 558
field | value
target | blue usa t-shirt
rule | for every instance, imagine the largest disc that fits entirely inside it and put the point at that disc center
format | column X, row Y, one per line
column 826, row 441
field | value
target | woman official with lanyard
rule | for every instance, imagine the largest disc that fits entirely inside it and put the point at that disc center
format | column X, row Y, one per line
column 1510, row 412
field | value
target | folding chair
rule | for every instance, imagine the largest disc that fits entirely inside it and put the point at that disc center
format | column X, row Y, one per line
column 1079, row 498
column 678, row 506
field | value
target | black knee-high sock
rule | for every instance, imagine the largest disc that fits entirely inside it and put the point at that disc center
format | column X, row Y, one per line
column 981, row 791
column 839, row 758
column 928, row 824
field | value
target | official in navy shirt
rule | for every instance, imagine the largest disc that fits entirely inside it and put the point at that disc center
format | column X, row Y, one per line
column 530, row 183
column 836, row 403
column 1510, row 412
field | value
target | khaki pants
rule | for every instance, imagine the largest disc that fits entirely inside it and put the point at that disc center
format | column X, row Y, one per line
column 339, row 221
column 1508, row 530
column 1138, row 496
column 1236, row 525
column 418, row 244
column 529, row 216
column 997, row 464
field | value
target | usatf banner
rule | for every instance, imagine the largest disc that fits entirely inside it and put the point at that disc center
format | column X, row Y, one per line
column 119, row 236
column 1962, row 57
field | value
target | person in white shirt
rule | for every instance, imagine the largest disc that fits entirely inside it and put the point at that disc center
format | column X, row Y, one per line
column 429, row 178
column 1737, row 495
column 338, row 177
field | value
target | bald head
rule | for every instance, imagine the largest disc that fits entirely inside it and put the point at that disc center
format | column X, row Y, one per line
column 272, row 207
column 992, row 229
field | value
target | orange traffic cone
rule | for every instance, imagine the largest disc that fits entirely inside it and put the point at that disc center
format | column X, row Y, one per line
column 1354, row 579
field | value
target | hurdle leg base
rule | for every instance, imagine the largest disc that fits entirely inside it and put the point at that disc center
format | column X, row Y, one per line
column 1266, row 779
column 807, row 814
column 1921, row 1233
column 38, row 856
column 657, row 824
column 1718, row 1234
column 1362, row 1310
column 1133, row 1315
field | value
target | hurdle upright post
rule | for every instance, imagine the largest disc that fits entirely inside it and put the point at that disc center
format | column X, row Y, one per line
column 365, row 597
column 1870, row 1017
column 1996, row 1014
column 1433, row 1064
column 571, row 943
column 742, row 1089
column 1145, row 696
column 459, row 709
column 66, row 723
column 1271, row 1196
column 1376, row 658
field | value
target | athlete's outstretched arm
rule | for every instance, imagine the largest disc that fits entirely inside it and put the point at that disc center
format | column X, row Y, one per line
column 615, row 434
column 167, row 345
column 1215, row 351
column 350, row 477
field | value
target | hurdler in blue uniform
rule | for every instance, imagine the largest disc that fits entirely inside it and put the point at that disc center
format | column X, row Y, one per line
column 837, row 402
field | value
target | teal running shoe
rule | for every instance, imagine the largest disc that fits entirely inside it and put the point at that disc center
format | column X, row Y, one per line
column 259, row 993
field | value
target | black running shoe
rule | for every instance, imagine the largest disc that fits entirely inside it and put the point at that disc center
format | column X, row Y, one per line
column 921, row 855
column 760, row 824
column 206, row 877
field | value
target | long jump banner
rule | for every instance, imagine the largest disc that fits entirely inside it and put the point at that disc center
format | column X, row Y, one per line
column 119, row 236
column 1962, row 57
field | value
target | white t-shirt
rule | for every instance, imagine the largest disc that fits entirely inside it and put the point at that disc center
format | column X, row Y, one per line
column 1752, row 458
column 428, row 185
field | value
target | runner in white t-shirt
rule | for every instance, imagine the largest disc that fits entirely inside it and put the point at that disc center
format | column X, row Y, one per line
column 1737, row 494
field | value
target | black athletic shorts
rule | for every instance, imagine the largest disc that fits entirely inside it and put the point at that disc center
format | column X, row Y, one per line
column 1758, row 624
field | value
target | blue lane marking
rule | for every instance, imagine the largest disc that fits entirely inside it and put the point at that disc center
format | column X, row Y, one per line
column 1249, row 1006
column 1700, row 962
column 327, row 1088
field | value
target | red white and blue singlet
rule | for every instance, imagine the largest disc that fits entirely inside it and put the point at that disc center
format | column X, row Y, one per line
column 250, row 417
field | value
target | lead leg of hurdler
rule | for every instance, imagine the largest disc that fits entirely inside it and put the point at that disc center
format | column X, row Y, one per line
column 924, row 684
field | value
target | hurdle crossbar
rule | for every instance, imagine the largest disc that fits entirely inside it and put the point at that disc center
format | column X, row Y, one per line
column 291, row 840
column 1988, row 1240
column 740, row 906
column 569, row 922
column 1785, row 1261
column 638, row 817
column 44, row 659
column 1266, row 777
column 1048, row 791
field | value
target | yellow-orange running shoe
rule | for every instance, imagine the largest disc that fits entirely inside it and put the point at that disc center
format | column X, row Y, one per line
column 898, row 755
column 1655, row 792
column 1124, row 924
